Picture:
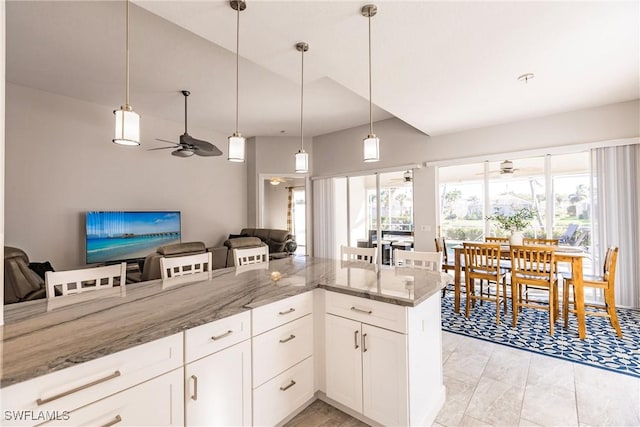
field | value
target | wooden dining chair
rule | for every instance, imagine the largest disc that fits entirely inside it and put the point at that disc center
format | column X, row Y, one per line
column 364, row 255
column 606, row 282
column 539, row 241
column 415, row 259
column 482, row 262
column 69, row 282
column 534, row 266
column 184, row 265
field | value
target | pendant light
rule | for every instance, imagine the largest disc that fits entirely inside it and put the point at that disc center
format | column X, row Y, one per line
column 127, row 130
column 371, row 144
column 302, row 157
column 237, row 141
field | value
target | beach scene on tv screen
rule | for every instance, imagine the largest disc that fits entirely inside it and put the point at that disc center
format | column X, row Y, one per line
column 117, row 236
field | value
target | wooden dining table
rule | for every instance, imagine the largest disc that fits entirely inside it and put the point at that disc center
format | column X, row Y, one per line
column 568, row 254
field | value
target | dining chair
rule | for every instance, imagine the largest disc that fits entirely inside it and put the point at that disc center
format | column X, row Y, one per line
column 441, row 246
column 184, row 265
column 71, row 282
column 539, row 241
column 534, row 266
column 259, row 255
column 365, row 255
column 493, row 239
column 416, row 259
column 606, row 282
column 482, row 262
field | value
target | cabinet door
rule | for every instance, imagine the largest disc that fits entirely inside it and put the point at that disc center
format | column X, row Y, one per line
column 384, row 376
column 157, row 402
column 344, row 361
column 218, row 388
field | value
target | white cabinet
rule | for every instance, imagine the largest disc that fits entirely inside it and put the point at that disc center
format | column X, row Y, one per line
column 283, row 368
column 89, row 382
column 218, row 388
column 157, row 402
column 366, row 369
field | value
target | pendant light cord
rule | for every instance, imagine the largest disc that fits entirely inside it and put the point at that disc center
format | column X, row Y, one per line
column 237, row 63
column 302, row 103
column 370, row 101
column 127, row 57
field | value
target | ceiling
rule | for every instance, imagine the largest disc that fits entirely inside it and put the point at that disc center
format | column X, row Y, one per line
column 439, row 66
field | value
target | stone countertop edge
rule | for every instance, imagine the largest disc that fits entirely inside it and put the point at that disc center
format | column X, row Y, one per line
column 60, row 339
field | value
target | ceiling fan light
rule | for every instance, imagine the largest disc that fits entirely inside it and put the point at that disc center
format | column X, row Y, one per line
column 127, row 131
column 183, row 152
column 302, row 161
column 274, row 181
column 371, row 148
column 236, row 148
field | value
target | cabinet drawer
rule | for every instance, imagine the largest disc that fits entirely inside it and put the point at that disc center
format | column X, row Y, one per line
column 280, row 312
column 77, row 386
column 154, row 403
column 276, row 399
column 388, row 316
column 278, row 349
column 215, row 336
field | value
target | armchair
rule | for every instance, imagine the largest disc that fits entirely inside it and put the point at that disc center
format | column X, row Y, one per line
column 20, row 282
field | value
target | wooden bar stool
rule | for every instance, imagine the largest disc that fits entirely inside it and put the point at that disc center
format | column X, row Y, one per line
column 605, row 282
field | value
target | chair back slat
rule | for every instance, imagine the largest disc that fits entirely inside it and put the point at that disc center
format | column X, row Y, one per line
column 366, row 255
column 482, row 257
column 610, row 262
column 87, row 279
column 493, row 239
column 185, row 265
column 539, row 241
column 533, row 262
column 259, row 255
column 415, row 259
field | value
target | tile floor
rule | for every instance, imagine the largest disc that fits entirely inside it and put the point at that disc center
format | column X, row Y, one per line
column 493, row 385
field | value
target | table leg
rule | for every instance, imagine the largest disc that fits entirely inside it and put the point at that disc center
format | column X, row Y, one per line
column 578, row 286
column 456, row 280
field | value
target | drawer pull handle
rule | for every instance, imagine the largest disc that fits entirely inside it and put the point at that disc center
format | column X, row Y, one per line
column 82, row 387
column 287, row 387
column 113, row 422
column 355, row 340
column 359, row 310
column 291, row 310
column 226, row 334
column 287, row 339
column 195, row 387
column 364, row 342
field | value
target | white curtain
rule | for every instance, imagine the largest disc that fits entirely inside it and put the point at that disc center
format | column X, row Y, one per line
column 617, row 221
column 323, row 218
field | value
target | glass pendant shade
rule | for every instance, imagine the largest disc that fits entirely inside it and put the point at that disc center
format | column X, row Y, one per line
column 127, row 130
column 236, row 148
column 302, row 161
column 371, row 148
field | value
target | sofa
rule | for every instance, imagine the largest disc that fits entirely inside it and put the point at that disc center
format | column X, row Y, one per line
column 151, row 266
column 281, row 243
column 21, row 283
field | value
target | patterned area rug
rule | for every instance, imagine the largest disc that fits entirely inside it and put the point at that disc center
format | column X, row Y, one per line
column 601, row 348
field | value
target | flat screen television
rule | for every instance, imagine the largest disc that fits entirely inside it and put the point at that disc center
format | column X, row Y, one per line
column 125, row 236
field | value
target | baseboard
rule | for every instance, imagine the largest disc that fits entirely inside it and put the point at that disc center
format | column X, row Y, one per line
column 431, row 415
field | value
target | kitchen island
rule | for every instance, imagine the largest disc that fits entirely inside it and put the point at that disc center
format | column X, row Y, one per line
column 40, row 345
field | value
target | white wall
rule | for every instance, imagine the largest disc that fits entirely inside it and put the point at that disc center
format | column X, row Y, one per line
column 401, row 144
column 61, row 162
column 276, row 202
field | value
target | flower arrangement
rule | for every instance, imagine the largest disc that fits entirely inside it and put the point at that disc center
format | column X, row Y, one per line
column 515, row 222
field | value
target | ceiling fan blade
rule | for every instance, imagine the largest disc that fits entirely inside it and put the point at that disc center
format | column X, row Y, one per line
column 160, row 148
column 207, row 153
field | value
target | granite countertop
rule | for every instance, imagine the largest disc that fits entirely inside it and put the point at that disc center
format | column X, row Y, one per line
column 36, row 341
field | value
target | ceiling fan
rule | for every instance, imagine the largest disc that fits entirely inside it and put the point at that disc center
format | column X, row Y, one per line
column 188, row 145
column 506, row 168
column 274, row 180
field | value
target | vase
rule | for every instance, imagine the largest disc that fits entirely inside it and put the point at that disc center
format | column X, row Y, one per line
column 516, row 238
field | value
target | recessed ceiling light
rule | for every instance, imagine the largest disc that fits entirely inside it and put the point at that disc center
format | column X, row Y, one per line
column 526, row 77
